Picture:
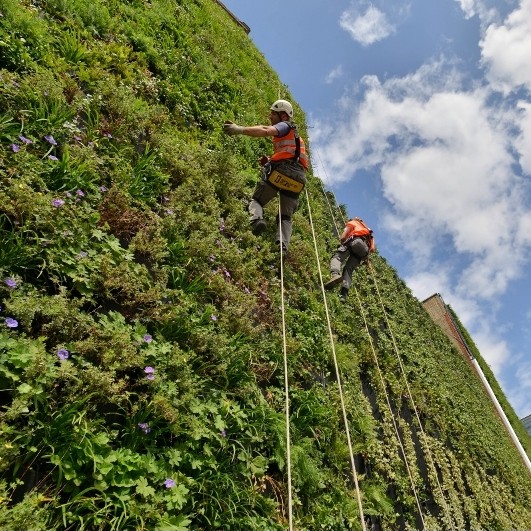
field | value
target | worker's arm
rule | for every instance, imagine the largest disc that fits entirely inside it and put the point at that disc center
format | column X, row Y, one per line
column 253, row 130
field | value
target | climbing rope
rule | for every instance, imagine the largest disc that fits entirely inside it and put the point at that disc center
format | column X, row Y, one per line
column 428, row 452
column 382, row 381
column 286, row 379
column 388, row 401
column 338, row 375
column 410, row 395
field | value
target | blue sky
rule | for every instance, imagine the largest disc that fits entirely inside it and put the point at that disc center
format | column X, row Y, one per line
column 420, row 122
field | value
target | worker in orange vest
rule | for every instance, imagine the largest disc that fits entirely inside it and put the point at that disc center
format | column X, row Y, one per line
column 357, row 242
column 282, row 173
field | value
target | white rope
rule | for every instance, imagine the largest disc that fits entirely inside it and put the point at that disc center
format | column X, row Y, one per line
column 286, row 381
column 338, row 375
column 382, row 382
column 387, row 399
column 410, row 395
column 445, row 507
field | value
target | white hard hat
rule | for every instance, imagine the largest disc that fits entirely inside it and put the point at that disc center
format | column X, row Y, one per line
column 283, row 106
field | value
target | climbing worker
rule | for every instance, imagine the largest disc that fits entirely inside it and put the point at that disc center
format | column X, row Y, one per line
column 357, row 242
column 283, row 172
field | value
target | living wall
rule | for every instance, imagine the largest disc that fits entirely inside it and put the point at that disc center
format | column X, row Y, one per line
column 141, row 345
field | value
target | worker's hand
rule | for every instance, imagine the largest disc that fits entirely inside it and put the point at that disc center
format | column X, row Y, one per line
column 263, row 160
column 232, row 129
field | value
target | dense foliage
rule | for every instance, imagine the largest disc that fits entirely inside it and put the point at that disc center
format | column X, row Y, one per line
column 141, row 347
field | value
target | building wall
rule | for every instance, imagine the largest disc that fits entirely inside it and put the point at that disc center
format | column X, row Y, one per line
column 436, row 307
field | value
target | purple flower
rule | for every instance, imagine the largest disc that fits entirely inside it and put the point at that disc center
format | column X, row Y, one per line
column 63, row 354
column 108, row 135
column 77, row 138
column 148, row 339
column 50, row 139
column 80, row 193
column 15, row 148
column 214, row 317
column 222, row 225
column 150, row 373
column 103, row 189
column 144, row 426
column 11, row 282
column 169, row 483
column 82, row 254
column 52, row 157
column 223, row 433
column 25, row 140
column 211, row 257
column 57, row 203
column 10, row 322
column 169, row 211
column 227, row 274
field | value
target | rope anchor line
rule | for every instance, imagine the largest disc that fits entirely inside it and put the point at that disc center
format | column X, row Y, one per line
column 426, row 451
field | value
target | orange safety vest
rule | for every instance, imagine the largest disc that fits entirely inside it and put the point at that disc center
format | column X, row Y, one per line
column 285, row 147
column 356, row 228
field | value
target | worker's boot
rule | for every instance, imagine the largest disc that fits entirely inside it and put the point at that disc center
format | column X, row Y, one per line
column 343, row 294
column 335, row 279
column 258, row 226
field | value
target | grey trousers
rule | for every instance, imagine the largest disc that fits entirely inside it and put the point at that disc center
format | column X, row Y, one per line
column 262, row 195
column 351, row 255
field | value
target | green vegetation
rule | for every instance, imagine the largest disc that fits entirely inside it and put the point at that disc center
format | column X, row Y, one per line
column 141, row 353
column 515, row 422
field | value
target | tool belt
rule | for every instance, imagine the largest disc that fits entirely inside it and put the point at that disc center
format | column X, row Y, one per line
column 283, row 182
column 285, row 176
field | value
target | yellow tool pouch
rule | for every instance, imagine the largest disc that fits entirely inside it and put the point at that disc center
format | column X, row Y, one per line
column 283, row 182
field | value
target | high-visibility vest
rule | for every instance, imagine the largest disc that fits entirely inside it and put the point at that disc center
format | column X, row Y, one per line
column 285, row 147
column 356, row 228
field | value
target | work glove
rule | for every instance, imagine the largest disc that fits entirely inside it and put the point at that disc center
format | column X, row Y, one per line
column 232, row 129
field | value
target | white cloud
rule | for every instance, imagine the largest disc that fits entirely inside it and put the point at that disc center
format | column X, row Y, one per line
column 447, row 155
column 367, row 28
column 427, row 283
column 479, row 8
column 444, row 156
column 523, row 142
column 468, row 7
column 506, row 50
column 493, row 350
column 334, row 74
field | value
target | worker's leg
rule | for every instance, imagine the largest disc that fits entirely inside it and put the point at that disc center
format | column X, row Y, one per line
column 341, row 254
column 288, row 207
column 263, row 193
column 358, row 251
